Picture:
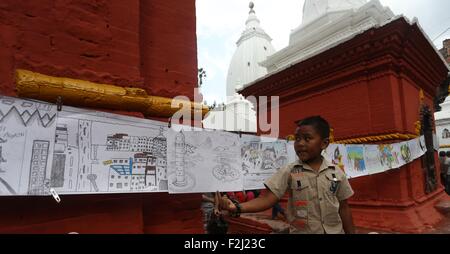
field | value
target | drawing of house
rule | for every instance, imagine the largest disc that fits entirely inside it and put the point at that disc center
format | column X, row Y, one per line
column 38, row 168
column 61, row 138
column 157, row 146
column 72, row 164
column 84, row 153
column 160, row 152
column 117, row 142
column 125, row 143
column 137, row 173
column 59, row 157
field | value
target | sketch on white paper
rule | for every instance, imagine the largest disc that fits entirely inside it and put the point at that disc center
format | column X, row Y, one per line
column 422, row 144
column 355, row 164
column 337, row 155
column 261, row 158
column 389, row 156
column 98, row 152
column 372, row 156
column 203, row 161
column 27, row 133
column 405, row 153
column 416, row 148
column 292, row 155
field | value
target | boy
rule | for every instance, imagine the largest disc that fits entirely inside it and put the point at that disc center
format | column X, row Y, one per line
column 318, row 192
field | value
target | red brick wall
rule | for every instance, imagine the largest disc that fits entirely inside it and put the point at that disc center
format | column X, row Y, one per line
column 368, row 100
column 139, row 43
column 102, row 214
column 169, row 47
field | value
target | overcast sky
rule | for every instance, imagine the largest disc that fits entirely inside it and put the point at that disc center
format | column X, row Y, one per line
column 221, row 22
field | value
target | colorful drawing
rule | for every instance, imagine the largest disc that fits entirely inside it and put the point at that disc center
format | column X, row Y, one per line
column 355, row 156
column 261, row 158
column 337, row 159
column 405, row 152
column 388, row 157
column 337, row 155
column 372, row 159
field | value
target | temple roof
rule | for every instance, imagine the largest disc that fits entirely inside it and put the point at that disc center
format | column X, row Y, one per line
column 330, row 23
column 314, row 9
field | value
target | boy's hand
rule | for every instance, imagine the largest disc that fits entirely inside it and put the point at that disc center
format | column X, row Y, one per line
column 225, row 203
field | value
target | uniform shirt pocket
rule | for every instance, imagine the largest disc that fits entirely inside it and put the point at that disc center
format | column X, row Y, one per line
column 300, row 188
column 301, row 196
column 331, row 201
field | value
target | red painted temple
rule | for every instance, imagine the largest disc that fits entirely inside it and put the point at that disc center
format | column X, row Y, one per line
column 369, row 89
column 142, row 44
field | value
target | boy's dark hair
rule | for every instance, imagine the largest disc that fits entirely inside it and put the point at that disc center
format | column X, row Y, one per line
column 447, row 153
column 320, row 125
column 442, row 154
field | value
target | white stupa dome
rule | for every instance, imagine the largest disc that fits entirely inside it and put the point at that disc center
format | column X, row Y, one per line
column 253, row 47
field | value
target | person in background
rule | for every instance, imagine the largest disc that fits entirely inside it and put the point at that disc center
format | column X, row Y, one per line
column 250, row 195
column 240, row 196
column 447, row 172
column 207, row 207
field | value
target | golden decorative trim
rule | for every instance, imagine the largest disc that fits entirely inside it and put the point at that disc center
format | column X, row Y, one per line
column 371, row 139
column 89, row 94
column 331, row 135
column 290, row 138
column 418, row 128
column 444, row 146
column 421, row 96
column 418, row 124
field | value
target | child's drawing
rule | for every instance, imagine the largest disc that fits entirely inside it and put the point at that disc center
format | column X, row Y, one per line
column 388, row 156
column 203, row 161
column 355, row 161
column 223, row 170
column 27, row 134
column 337, row 155
column 372, row 159
column 261, row 158
column 405, row 153
column 105, row 153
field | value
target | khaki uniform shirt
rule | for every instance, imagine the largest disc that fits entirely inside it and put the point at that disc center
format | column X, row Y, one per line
column 313, row 206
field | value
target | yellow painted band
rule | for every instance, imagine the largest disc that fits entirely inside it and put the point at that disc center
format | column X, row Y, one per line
column 89, row 94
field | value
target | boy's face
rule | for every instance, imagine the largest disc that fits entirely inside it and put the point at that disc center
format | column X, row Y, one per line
column 308, row 143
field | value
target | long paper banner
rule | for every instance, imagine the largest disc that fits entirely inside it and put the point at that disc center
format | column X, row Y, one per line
column 77, row 151
column 363, row 160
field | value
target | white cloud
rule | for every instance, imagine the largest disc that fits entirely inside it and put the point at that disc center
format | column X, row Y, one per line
column 433, row 15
